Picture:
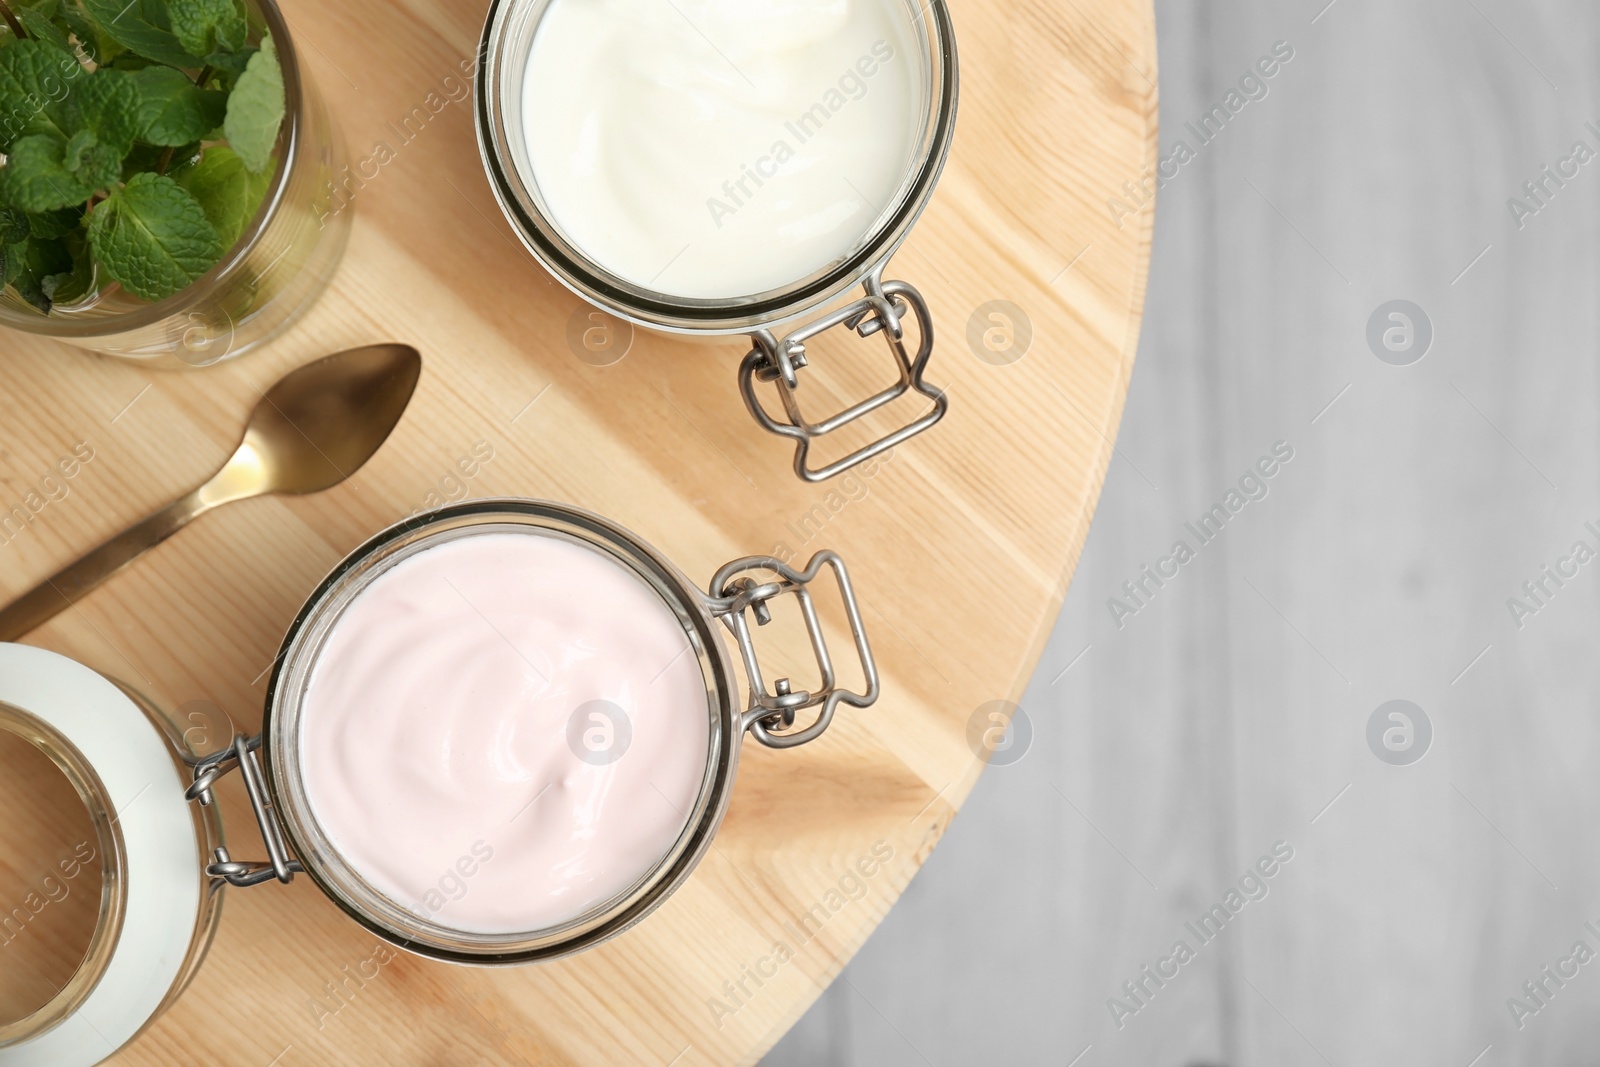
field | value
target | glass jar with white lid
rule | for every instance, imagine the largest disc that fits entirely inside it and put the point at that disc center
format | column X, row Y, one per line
column 160, row 842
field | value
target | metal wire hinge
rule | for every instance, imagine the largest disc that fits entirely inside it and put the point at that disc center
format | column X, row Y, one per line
column 779, row 361
column 735, row 592
column 241, row 754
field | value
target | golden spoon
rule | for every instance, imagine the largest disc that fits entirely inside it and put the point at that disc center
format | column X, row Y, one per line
column 309, row 432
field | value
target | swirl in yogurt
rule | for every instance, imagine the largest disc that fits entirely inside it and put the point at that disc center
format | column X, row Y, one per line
column 719, row 149
column 504, row 731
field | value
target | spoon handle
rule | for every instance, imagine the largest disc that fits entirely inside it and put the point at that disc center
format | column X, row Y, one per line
column 63, row 589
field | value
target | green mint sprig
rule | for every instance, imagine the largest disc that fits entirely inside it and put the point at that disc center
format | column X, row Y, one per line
column 137, row 142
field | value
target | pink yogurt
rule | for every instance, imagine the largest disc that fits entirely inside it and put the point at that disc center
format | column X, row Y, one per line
column 452, row 750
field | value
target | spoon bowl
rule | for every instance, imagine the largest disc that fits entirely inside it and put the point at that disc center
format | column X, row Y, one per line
column 317, row 426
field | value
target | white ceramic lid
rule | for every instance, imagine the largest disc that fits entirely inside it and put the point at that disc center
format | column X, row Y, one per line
column 160, row 847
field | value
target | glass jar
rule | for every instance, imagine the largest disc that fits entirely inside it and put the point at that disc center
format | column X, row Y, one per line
column 169, row 851
column 281, row 263
column 130, row 766
column 506, row 50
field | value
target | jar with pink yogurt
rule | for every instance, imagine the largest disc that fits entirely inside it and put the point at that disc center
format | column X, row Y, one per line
column 498, row 733
column 507, row 730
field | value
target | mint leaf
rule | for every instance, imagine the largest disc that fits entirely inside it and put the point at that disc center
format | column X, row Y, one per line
column 137, row 25
column 72, row 20
column 226, row 68
column 100, row 113
column 129, row 62
column 36, row 178
column 207, row 26
column 88, row 159
column 14, row 228
column 32, row 75
column 105, row 102
column 71, row 285
column 50, row 272
column 46, row 225
column 37, row 21
column 27, row 287
column 153, row 236
column 255, row 109
column 172, row 111
column 227, row 192
column 39, row 264
column 11, row 262
column 24, row 278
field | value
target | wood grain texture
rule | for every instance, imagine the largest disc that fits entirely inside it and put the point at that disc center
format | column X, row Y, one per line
column 960, row 546
column 52, row 900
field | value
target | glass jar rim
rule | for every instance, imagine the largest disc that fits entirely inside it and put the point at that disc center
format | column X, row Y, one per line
column 235, row 258
column 158, row 908
column 343, row 883
column 580, row 273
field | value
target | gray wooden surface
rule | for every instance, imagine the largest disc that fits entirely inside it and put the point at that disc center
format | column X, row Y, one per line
column 1231, row 712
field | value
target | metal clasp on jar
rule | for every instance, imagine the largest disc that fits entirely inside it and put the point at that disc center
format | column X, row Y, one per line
column 241, row 754
column 780, row 360
column 734, row 592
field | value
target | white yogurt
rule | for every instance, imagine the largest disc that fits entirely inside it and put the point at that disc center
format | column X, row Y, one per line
column 721, row 148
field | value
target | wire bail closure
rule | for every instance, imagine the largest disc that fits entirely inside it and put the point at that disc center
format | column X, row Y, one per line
column 770, row 715
column 735, row 592
column 241, row 754
column 779, row 361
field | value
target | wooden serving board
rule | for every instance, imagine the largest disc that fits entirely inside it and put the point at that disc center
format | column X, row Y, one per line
column 961, row 545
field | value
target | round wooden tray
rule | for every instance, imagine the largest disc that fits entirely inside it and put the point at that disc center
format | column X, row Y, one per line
column 961, row 545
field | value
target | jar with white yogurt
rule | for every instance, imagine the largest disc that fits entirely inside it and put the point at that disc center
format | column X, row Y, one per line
column 501, row 732
column 729, row 166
